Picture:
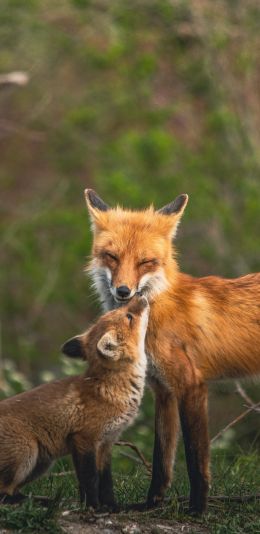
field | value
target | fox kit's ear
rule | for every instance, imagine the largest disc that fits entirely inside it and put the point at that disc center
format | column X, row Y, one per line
column 95, row 206
column 107, row 345
column 175, row 210
column 74, row 348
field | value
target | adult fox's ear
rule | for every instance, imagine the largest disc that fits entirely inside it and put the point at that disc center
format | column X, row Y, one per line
column 107, row 346
column 74, row 348
column 174, row 211
column 96, row 206
column 176, row 207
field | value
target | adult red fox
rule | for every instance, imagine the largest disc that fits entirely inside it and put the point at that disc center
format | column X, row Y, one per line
column 199, row 329
column 80, row 415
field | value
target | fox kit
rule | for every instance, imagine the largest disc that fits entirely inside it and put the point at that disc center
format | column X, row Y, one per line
column 199, row 329
column 79, row 415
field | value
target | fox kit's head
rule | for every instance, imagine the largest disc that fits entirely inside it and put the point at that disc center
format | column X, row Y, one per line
column 117, row 337
column 132, row 250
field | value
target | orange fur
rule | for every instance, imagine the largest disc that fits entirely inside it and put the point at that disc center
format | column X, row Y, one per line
column 200, row 329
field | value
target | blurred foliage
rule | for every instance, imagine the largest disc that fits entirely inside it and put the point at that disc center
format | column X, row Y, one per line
column 142, row 101
column 12, row 381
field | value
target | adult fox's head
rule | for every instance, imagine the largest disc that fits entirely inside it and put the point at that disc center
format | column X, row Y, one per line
column 132, row 250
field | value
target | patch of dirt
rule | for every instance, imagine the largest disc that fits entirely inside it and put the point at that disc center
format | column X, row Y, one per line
column 72, row 523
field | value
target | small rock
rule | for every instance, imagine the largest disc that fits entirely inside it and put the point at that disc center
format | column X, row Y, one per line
column 131, row 529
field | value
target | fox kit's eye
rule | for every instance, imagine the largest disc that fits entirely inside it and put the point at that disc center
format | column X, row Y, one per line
column 129, row 317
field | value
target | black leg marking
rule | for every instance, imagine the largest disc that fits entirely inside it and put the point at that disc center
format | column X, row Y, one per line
column 159, row 475
column 7, row 474
column 106, row 491
column 166, row 434
column 196, row 442
column 86, row 469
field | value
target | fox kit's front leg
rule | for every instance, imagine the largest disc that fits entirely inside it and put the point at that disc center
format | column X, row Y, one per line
column 106, row 491
column 87, row 473
column 194, row 423
column 166, row 437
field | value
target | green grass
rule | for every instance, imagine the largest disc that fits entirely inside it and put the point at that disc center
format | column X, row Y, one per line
column 30, row 517
column 237, row 475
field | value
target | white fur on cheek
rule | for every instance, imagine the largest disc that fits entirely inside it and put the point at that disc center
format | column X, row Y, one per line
column 153, row 283
column 109, row 274
column 101, row 281
column 100, row 278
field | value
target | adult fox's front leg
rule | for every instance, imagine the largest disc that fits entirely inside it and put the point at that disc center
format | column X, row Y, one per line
column 166, row 437
column 194, row 423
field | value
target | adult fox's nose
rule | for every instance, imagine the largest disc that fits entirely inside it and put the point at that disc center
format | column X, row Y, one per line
column 123, row 292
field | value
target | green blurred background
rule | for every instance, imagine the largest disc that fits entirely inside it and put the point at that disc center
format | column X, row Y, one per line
column 141, row 101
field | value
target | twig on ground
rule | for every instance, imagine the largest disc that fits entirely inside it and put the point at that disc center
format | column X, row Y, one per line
column 145, row 462
column 250, row 403
column 8, row 128
column 254, row 407
column 226, row 498
column 61, row 474
column 235, row 498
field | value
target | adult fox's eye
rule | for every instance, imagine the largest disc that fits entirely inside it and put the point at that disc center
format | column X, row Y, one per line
column 129, row 317
column 149, row 262
column 111, row 256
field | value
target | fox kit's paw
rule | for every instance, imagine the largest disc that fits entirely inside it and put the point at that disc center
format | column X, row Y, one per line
column 17, row 498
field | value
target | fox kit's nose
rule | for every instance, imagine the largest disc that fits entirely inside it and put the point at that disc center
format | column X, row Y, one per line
column 123, row 292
